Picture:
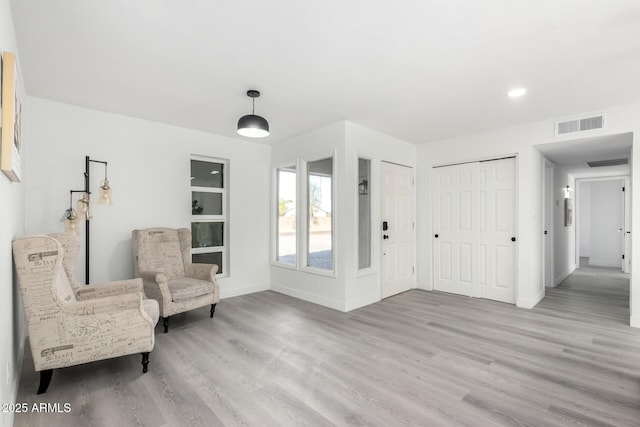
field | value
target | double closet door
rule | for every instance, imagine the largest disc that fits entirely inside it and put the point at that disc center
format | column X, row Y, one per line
column 474, row 251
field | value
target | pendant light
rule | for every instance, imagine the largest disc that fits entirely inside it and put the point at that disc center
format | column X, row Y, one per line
column 251, row 125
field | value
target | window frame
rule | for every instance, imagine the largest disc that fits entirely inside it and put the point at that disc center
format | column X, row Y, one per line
column 372, row 184
column 275, row 223
column 222, row 218
column 304, row 215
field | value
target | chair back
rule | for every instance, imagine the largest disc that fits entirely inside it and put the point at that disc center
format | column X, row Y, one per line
column 158, row 249
column 71, row 249
column 45, row 289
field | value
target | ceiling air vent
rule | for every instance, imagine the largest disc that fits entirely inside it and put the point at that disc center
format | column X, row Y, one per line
column 612, row 162
column 579, row 125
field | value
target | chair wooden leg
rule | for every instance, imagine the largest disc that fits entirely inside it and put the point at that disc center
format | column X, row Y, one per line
column 213, row 309
column 145, row 362
column 45, row 380
column 165, row 322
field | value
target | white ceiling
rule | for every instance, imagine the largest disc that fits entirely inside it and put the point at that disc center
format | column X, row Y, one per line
column 419, row 70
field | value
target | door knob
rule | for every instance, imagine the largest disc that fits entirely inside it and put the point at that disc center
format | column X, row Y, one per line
column 385, row 237
column 436, row 236
column 513, row 239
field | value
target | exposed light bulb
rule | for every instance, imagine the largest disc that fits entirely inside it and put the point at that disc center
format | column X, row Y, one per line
column 105, row 193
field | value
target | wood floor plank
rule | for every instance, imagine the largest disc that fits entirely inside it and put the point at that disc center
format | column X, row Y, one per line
column 416, row 359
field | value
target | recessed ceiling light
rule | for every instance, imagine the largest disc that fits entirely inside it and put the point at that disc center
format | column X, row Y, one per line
column 514, row 93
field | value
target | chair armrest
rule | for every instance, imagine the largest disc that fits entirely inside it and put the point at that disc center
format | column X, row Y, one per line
column 152, row 276
column 104, row 305
column 156, row 287
column 201, row 271
column 102, row 290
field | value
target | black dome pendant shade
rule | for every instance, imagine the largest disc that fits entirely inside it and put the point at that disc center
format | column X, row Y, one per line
column 251, row 125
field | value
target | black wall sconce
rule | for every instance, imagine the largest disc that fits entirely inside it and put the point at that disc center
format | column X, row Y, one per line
column 363, row 187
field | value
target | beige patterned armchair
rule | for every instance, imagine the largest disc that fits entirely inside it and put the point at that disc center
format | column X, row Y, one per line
column 70, row 324
column 162, row 258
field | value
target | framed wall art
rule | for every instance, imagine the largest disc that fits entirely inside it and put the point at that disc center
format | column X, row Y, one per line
column 11, row 142
column 568, row 212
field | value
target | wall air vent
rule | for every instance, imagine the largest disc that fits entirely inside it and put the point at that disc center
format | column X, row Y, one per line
column 612, row 162
column 580, row 125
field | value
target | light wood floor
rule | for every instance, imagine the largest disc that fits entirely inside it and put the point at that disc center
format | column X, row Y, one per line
column 420, row 358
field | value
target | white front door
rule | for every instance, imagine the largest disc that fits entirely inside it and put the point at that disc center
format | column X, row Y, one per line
column 474, row 229
column 398, row 239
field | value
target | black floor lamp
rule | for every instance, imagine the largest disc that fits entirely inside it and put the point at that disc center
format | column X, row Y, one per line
column 84, row 208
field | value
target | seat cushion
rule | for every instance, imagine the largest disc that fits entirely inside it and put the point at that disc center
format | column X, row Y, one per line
column 150, row 306
column 187, row 288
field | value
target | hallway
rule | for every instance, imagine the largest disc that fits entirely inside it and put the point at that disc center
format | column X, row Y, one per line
column 599, row 293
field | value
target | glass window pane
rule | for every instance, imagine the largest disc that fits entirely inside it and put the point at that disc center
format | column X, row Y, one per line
column 209, row 258
column 364, row 213
column 207, row 174
column 206, row 203
column 320, row 205
column 286, row 245
column 207, row 234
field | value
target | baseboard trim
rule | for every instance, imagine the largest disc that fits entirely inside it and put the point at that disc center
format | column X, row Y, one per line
column 605, row 262
column 563, row 276
column 425, row 287
column 529, row 303
column 634, row 321
column 309, row 297
column 229, row 293
column 360, row 302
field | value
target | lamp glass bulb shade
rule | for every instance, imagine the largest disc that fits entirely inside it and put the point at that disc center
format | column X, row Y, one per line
column 253, row 126
column 71, row 225
column 105, row 194
column 82, row 206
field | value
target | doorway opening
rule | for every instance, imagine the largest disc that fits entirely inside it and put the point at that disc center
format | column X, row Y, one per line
column 602, row 211
column 589, row 233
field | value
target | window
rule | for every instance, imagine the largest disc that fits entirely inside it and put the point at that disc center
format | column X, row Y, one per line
column 286, row 244
column 209, row 213
column 320, row 220
column 364, row 214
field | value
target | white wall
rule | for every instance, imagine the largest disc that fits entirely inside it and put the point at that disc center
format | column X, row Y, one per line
column 12, row 324
column 606, row 209
column 584, row 218
column 363, row 287
column 520, row 140
column 349, row 288
column 564, row 237
column 149, row 171
column 327, row 290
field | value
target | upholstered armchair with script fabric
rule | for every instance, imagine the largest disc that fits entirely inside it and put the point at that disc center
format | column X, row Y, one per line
column 162, row 258
column 70, row 326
